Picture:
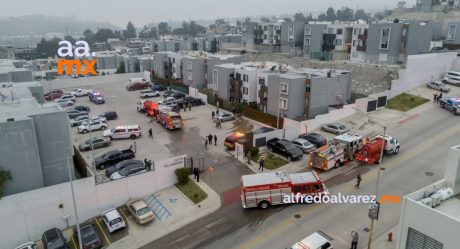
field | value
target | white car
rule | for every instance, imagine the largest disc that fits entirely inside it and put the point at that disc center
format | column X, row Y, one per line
column 315, row 240
column 78, row 120
column 30, row 245
column 78, row 92
column 452, row 77
column 113, row 220
column 126, row 131
column 165, row 100
column 130, row 170
column 67, row 97
column 148, row 93
column 95, row 125
column 64, row 102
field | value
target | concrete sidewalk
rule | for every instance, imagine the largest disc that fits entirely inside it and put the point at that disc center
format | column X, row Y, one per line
column 182, row 212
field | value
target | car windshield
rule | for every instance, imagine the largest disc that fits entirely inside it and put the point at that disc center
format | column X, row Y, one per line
column 143, row 211
column 56, row 243
column 89, row 237
column 342, row 127
column 123, row 172
column 118, row 166
column 290, row 147
column 115, row 221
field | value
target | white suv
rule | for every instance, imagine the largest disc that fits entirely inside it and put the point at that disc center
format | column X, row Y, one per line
column 95, row 125
column 148, row 93
column 452, row 77
column 112, row 220
column 127, row 131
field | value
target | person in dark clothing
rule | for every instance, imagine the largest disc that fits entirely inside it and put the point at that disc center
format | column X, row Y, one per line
column 215, row 139
column 189, row 106
column 194, row 173
column 197, row 175
column 354, row 239
column 435, row 97
column 217, row 111
column 213, row 114
column 206, row 143
column 439, row 98
column 210, row 139
column 358, row 180
column 261, row 164
column 150, row 133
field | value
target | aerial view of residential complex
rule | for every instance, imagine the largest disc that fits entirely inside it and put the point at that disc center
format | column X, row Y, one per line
column 218, row 124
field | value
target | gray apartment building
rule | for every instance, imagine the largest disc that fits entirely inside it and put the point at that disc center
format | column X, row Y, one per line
column 11, row 71
column 161, row 65
column 250, row 37
column 391, row 43
column 292, row 37
column 7, row 52
column 35, row 142
column 220, row 78
column 453, row 35
column 313, row 39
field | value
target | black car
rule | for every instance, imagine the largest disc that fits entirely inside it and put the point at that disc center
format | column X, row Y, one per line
column 108, row 115
column 159, row 88
column 168, row 93
column 53, row 239
column 314, row 138
column 81, row 108
column 285, row 148
column 112, row 157
column 89, row 237
column 121, row 165
column 178, row 95
column 262, row 130
column 192, row 100
column 74, row 113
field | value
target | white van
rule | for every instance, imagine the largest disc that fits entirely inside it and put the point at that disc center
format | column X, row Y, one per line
column 314, row 241
column 137, row 80
column 452, row 77
column 127, row 131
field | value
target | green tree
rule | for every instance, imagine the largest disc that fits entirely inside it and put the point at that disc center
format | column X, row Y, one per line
column 70, row 39
column 360, row 14
column 378, row 16
column 299, row 17
column 339, row 15
column 89, row 36
column 220, row 21
column 121, row 68
column 330, row 14
column 148, row 32
column 287, row 19
column 238, row 23
column 103, row 34
column 163, row 28
column 322, row 17
column 47, row 48
column 265, row 19
column 309, row 17
column 347, row 14
column 5, row 176
column 130, row 31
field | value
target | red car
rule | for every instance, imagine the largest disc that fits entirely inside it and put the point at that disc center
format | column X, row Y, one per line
column 55, row 94
column 137, row 86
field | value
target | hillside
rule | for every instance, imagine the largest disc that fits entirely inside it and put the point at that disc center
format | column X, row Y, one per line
column 452, row 16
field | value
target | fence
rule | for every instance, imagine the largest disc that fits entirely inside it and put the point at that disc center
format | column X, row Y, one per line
column 262, row 117
column 197, row 94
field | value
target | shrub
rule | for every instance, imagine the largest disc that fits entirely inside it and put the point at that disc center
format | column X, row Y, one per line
column 254, row 151
column 262, row 117
column 243, row 51
column 103, row 73
column 182, row 175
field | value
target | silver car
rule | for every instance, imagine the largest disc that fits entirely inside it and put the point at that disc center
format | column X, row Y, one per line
column 336, row 128
column 436, row 85
column 225, row 117
column 78, row 120
column 304, row 145
column 97, row 143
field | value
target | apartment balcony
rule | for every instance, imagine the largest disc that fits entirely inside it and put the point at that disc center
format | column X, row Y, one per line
column 328, row 47
column 235, row 89
column 361, row 48
column 403, row 38
column 263, row 91
column 362, row 37
column 402, row 50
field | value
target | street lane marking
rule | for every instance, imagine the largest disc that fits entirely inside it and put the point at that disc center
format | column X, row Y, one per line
column 350, row 187
column 103, row 232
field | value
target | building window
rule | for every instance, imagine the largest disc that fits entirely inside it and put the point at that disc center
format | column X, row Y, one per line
column 338, row 42
column 384, row 38
column 245, row 78
column 238, row 76
column 384, row 45
column 262, row 81
column 265, row 37
column 214, row 79
column 308, row 31
column 354, row 43
column 190, row 76
column 283, row 104
column 284, row 88
column 265, row 28
column 339, row 31
column 451, row 32
column 416, row 239
column 189, row 65
column 355, row 32
column 245, row 90
column 307, row 88
column 307, row 42
column 385, row 31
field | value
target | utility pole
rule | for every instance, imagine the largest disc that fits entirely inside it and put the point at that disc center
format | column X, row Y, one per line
column 73, row 199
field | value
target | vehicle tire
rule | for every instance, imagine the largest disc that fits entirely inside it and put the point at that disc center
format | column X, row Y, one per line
column 322, row 128
column 270, row 149
column 337, row 164
column 429, row 87
column 264, row 204
column 396, row 150
column 101, row 167
column 111, row 138
column 444, row 81
column 103, row 127
column 85, row 131
column 132, row 136
column 290, row 158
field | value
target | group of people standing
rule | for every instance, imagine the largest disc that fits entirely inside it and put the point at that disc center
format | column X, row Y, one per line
column 437, row 98
column 208, row 140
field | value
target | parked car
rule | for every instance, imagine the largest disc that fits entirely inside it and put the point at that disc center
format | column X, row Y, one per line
column 178, row 95
column 285, row 148
column 159, row 88
column 452, row 77
column 81, row 108
column 315, row 240
column 54, row 94
column 314, row 138
column 436, row 85
column 77, row 121
column 229, row 142
column 53, row 239
column 67, row 97
column 225, row 117
column 149, row 94
column 168, row 93
column 304, row 145
column 96, row 97
column 112, row 157
column 262, row 130
column 78, row 92
column 29, row 245
column 74, row 113
column 113, row 220
column 121, row 165
column 90, row 239
column 192, row 100
column 97, row 143
column 129, row 170
column 108, row 115
column 91, row 126
column 126, row 131
column 336, row 128
column 64, row 102
column 140, row 211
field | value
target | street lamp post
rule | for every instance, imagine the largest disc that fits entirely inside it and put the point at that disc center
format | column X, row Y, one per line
column 91, row 141
column 73, row 199
column 278, row 116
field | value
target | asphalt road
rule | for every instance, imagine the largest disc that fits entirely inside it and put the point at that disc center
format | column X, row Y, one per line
column 425, row 141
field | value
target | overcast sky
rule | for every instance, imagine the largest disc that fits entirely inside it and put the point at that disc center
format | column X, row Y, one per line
column 141, row 12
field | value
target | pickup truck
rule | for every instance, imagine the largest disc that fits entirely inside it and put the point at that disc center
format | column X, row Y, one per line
column 285, row 148
column 451, row 104
column 112, row 157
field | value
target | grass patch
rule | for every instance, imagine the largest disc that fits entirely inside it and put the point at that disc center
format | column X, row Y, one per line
column 404, row 102
column 192, row 191
column 271, row 161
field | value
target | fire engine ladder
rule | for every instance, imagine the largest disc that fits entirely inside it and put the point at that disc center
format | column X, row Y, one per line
column 160, row 211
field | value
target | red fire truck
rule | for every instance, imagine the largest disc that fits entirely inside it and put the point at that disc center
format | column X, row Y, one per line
column 370, row 152
column 265, row 189
column 169, row 119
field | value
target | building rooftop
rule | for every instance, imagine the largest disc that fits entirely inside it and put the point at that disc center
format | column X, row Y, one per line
column 450, row 207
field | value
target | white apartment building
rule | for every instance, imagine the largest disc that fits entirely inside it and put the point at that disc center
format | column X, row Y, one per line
column 359, row 42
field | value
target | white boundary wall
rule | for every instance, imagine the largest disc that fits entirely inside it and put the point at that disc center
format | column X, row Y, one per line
column 25, row 216
column 193, row 92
